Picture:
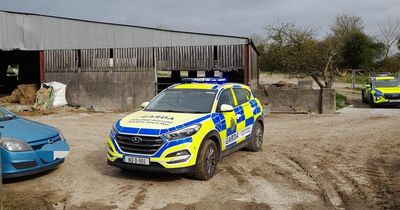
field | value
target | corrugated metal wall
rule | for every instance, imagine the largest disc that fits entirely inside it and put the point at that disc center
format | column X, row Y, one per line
column 35, row 32
column 115, row 66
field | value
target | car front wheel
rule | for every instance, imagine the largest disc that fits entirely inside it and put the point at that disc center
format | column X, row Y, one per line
column 364, row 100
column 207, row 161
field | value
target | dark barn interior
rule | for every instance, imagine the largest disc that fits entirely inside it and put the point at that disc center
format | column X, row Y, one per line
column 18, row 67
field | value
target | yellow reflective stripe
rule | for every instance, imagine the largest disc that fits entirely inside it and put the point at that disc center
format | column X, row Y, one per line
column 384, row 78
column 234, row 97
column 195, row 86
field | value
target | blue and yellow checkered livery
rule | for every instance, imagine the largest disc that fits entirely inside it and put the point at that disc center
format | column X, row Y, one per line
column 229, row 128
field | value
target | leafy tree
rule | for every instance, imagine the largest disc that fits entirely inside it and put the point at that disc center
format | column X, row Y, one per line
column 360, row 51
column 297, row 51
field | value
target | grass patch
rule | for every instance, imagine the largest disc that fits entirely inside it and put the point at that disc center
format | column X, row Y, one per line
column 341, row 101
column 348, row 78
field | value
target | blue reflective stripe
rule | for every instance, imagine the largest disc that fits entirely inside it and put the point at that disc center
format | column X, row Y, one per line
column 231, row 130
column 216, row 120
column 231, row 145
column 256, row 107
column 215, row 87
column 147, row 131
column 197, row 120
column 249, row 121
column 239, row 111
column 236, row 86
column 172, row 144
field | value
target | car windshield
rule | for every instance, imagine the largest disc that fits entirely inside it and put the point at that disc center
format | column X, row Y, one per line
column 5, row 115
column 183, row 100
column 387, row 83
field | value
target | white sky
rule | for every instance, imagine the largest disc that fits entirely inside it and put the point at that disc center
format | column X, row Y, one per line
column 233, row 17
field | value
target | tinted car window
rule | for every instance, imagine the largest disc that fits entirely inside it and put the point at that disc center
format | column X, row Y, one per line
column 248, row 94
column 240, row 95
column 183, row 100
column 225, row 98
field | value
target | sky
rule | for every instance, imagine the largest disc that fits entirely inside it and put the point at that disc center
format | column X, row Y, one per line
column 231, row 17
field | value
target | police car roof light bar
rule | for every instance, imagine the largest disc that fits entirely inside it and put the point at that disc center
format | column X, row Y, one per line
column 211, row 80
column 382, row 74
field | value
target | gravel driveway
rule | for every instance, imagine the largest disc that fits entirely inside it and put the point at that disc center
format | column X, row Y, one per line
column 347, row 160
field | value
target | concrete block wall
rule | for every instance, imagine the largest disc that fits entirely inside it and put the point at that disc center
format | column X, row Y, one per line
column 299, row 100
column 110, row 90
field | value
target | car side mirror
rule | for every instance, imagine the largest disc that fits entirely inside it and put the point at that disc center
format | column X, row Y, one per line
column 144, row 104
column 226, row 108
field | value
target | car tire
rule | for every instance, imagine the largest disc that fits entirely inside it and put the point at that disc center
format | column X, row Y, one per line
column 371, row 102
column 207, row 161
column 363, row 99
column 256, row 138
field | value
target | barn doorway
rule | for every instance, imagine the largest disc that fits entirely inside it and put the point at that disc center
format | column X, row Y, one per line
column 18, row 67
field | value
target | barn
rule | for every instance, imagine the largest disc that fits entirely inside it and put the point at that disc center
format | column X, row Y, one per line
column 112, row 65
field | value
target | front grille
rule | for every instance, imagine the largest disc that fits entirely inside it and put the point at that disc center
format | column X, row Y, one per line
column 36, row 145
column 392, row 96
column 148, row 145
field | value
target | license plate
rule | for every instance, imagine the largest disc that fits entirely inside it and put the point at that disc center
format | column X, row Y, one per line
column 136, row 160
column 396, row 100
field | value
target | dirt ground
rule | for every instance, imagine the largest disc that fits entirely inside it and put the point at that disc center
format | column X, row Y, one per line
column 347, row 160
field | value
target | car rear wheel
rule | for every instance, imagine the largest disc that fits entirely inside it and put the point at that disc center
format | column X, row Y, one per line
column 257, row 138
column 207, row 161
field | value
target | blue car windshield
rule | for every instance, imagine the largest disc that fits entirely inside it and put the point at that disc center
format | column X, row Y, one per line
column 183, row 101
column 387, row 83
column 5, row 115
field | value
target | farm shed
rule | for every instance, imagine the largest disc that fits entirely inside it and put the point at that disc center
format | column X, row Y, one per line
column 113, row 65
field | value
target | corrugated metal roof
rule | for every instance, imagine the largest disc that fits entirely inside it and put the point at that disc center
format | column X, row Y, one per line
column 39, row 32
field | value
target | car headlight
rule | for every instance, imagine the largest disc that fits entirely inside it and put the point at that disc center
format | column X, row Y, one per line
column 182, row 133
column 14, row 145
column 61, row 135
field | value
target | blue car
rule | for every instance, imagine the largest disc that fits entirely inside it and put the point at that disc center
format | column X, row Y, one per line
column 28, row 147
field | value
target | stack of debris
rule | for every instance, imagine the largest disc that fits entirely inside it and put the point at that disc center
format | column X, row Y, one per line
column 50, row 95
column 44, row 98
column 23, row 94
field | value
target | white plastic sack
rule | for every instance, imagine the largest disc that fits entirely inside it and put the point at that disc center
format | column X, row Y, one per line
column 59, row 93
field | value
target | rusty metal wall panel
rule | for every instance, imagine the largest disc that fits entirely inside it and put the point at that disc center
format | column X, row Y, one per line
column 35, row 32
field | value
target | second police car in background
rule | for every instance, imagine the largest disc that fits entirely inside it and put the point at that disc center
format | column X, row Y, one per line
column 187, row 128
column 381, row 89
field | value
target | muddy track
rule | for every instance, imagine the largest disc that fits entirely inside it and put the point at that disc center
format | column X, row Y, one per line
column 349, row 160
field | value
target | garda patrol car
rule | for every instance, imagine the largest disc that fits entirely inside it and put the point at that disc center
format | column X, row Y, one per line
column 187, row 128
column 381, row 89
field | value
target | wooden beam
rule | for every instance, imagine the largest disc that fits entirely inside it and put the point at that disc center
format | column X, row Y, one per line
column 41, row 66
column 246, row 64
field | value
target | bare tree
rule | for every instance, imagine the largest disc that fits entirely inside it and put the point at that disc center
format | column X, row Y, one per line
column 390, row 33
column 346, row 24
column 258, row 39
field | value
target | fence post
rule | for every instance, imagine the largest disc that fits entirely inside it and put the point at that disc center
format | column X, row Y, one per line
column 353, row 78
